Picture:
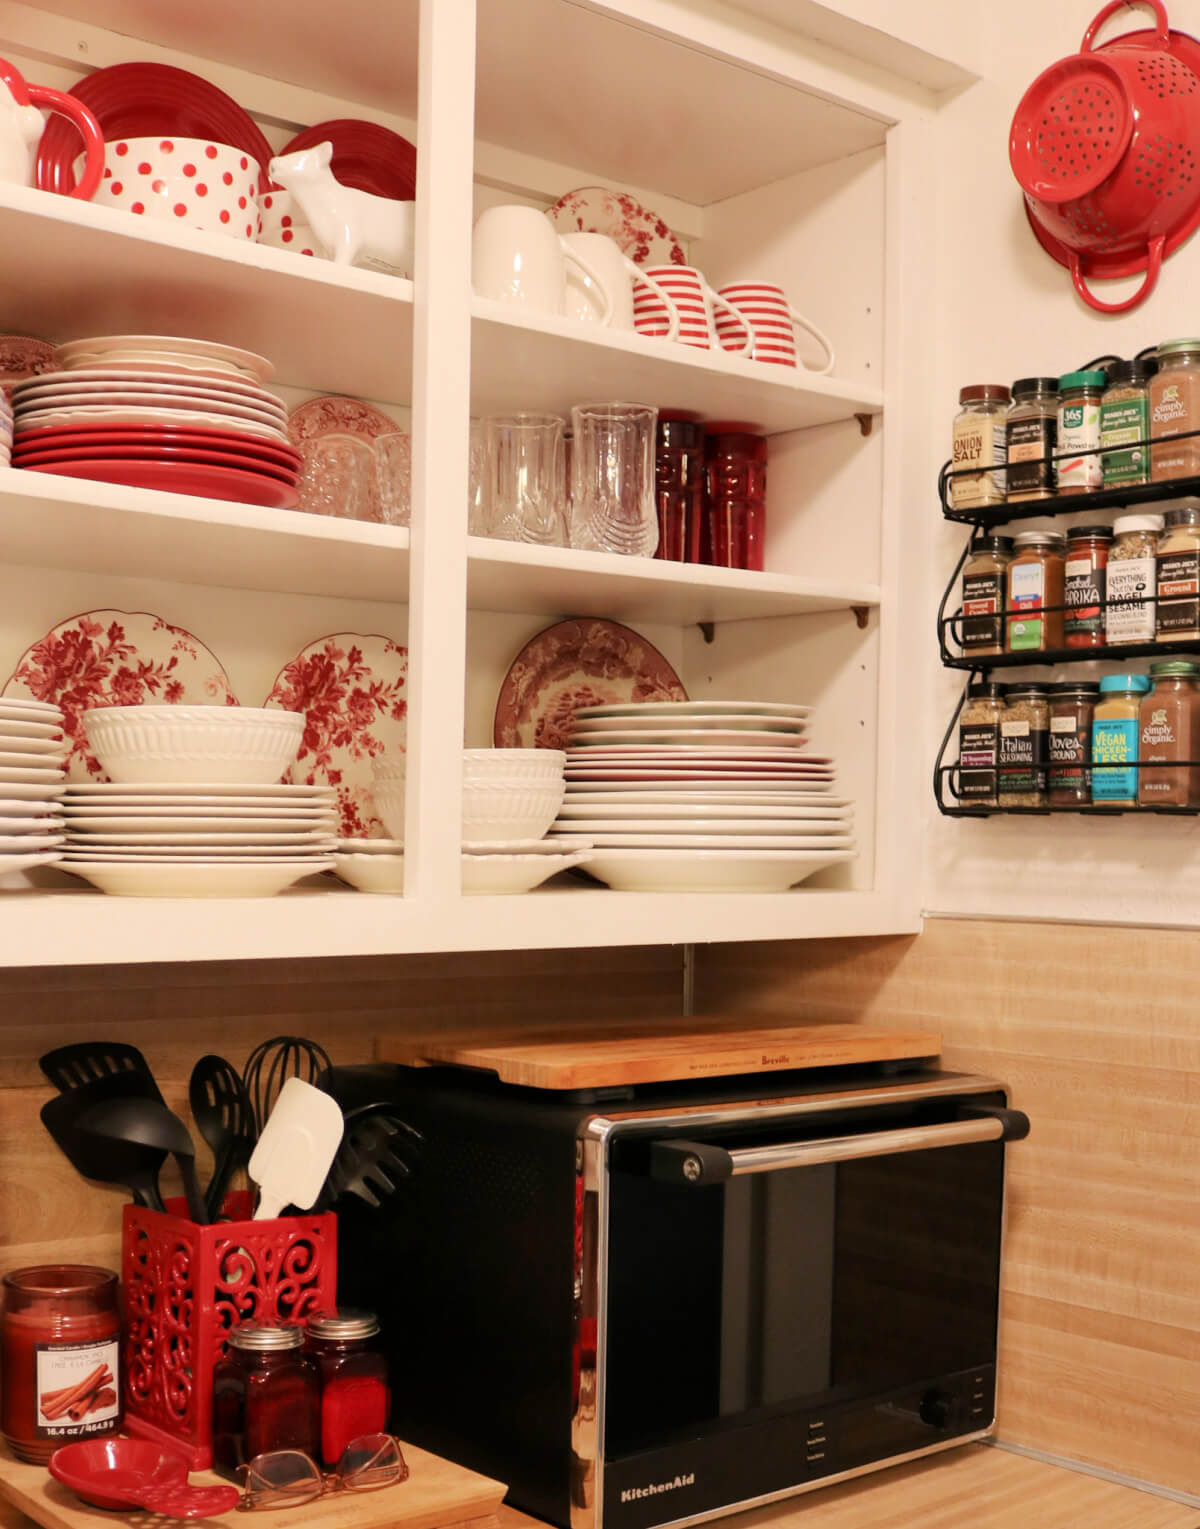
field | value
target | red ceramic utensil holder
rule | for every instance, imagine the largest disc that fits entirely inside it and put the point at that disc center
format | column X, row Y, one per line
column 187, row 1286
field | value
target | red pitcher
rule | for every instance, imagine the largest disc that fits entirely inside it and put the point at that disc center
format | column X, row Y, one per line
column 22, row 125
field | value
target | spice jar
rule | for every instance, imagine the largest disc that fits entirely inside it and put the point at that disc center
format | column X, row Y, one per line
column 1087, row 559
column 1175, row 410
column 984, row 592
column 735, row 482
column 1178, row 612
column 1115, row 739
column 1132, row 578
column 266, row 1395
column 979, row 743
column 1125, row 421
column 679, row 489
column 979, row 440
column 1024, row 731
column 1078, row 468
column 1031, row 432
column 1036, row 579
column 1169, row 730
column 1070, row 743
column 354, row 1378
column 60, row 1374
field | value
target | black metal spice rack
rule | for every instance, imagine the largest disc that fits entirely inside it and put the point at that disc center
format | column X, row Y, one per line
column 979, row 666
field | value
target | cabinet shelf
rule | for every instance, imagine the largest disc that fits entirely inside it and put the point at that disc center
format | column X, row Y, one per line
column 1053, row 657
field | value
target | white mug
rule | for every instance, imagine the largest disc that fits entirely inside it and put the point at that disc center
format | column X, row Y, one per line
column 618, row 272
column 518, row 257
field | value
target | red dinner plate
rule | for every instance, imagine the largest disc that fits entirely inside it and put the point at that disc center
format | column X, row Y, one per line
column 184, row 478
column 365, row 155
column 140, row 100
column 51, row 460
column 55, row 436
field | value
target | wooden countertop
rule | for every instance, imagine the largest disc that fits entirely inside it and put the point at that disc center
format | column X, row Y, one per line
column 977, row 1487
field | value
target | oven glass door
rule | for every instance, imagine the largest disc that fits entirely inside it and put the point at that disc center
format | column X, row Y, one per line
column 796, row 1290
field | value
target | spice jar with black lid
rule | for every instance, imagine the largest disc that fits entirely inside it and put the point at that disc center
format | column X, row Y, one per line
column 979, row 440
column 1086, row 565
column 979, row 743
column 1031, row 430
column 1069, row 776
column 1024, row 734
column 985, row 593
column 1125, row 421
column 1177, row 617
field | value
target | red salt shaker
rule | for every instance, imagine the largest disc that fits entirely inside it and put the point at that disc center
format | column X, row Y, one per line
column 735, row 499
column 60, row 1363
column 266, row 1396
column 354, row 1378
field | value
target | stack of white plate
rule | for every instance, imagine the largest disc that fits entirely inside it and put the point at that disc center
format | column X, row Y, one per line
column 203, row 840
column 6, row 429
column 33, row 754
column 681, row 796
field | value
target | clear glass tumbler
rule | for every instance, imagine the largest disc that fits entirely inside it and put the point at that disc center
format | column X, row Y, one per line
column 612, row 478
column 478, row 506
column 338, row 477
column 525, row 480
column 393, row 471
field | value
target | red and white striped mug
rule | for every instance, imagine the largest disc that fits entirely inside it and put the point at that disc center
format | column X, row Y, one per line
column 693, row 302
column 772, row 319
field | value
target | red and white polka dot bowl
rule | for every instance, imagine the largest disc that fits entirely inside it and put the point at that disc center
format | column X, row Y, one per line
column 284, row 227
column 190, row 182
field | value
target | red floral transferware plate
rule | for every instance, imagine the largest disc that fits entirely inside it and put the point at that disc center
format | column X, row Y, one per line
column 642, row 234
column 22, row 357
column 572, row 664
column 352, row 689
column 116, row 658
column 334, row 415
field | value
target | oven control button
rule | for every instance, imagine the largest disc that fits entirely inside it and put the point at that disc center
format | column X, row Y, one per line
column 936, row 1408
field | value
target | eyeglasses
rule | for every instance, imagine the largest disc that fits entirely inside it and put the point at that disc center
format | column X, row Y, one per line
column 285, row 1478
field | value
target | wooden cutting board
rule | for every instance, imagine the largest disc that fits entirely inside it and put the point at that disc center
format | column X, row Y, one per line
column 436, row 1493
column 658, row 1052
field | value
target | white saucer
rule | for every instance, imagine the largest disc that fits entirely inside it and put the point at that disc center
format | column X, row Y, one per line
column 676, row 870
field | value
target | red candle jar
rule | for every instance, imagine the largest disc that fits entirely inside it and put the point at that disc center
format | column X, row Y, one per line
column 679, row 489
column 266, row 1396
column 735, row 499
column 60, row 1348
column 354, row 1378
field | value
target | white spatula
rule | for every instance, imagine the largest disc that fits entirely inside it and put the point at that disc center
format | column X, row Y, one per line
column 296, row 1148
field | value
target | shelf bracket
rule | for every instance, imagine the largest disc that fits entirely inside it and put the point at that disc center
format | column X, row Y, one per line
column 707, row 630
column 862, row 614
column 866, row 423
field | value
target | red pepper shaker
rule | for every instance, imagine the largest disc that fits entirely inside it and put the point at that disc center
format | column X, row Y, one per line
column 59, row 1358
column 266, row 1396
column 679, row 489
column 354, row 1378
column 735, row 499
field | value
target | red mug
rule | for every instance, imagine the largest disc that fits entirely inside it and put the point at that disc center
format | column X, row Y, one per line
column 21, row 128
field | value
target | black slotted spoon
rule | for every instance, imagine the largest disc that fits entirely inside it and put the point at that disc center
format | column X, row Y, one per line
column 368, row 1162
column 224, row 1117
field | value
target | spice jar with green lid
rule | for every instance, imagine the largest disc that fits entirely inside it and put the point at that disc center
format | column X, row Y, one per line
column 1031, row 431
column 1115, row 739
column 1169, row 724
column 1175, row 411
column 1177, row 617
column 1069, row 775
column 1125, row 423
column 1024, row 734
column 979, row 440
column 1078, row 467
column 979, row 743
column 984, row 594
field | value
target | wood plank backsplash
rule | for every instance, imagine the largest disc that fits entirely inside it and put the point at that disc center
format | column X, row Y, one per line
column 1097, row 1030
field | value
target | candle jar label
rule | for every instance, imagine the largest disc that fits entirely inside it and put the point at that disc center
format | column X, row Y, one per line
column 77, row 1390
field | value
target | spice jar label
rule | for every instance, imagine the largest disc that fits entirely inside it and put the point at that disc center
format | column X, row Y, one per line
column 1130, row 616
column 1022, row 766
column 1178, row 592
column 977, row 442
column 1084, row 597
column 1114, row 742
column 1027, row 582
column 982, row 598
column 1030, row 443
column 1068, row 758
column 977, row 751
column 1078, row 432
column 1122, row 422
column 77, row 1389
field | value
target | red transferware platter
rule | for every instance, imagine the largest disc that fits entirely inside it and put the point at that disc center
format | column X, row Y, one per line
column 163, row 435
column 208, row 482
column 49, row 460
column 141, row 100
column 365, row 155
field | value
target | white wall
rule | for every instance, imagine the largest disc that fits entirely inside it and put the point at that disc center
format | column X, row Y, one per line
column 1008, row 310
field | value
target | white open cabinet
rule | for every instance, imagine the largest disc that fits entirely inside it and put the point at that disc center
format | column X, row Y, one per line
column 772, row 157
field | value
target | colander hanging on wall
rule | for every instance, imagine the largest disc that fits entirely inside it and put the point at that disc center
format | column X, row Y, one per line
column 1106, row 147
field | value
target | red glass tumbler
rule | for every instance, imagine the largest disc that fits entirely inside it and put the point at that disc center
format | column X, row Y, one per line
column 735, row 499
column 679, row 489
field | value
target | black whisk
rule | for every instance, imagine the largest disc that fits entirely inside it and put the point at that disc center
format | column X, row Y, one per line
column 269, row 1066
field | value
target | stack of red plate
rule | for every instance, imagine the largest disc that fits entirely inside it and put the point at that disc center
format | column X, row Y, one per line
column 156, row 411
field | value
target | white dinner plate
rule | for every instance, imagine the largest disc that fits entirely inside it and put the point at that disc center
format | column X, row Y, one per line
column 28, row 843
column 74, row 850
column 808, row 779
column 598, row 829
column 695, row 709
column 693, row 722
column 95, row 823
column 688, row 793
column 124, row 388
column 553, row 844
column 161, row 349
column 27, row 861
column 720, row 841
column 151, row 396
column 199, row 793
column 681, row 753
column 223, row 382
column 12, row 791
column 43, row 419
column 44, row 748
column 24, row 708
column 581, row 816
column 685, row 870
column 18, row 775
column 290, row 843
column 12, row 824
column 13, row 807
column 693, row 737
column 20, row 727
column 200, row 879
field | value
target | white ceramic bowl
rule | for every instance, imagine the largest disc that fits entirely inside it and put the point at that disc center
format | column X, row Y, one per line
column 496, row 810
column 391, row 767
column 241, row 745
column 189, row 182
column 509, row 765
column 389, row 803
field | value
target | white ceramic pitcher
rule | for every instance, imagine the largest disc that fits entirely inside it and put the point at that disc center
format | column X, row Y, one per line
column 518, row 257
column 618, row 273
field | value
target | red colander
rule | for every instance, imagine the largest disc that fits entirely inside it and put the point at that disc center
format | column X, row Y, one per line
column 1106, row 147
